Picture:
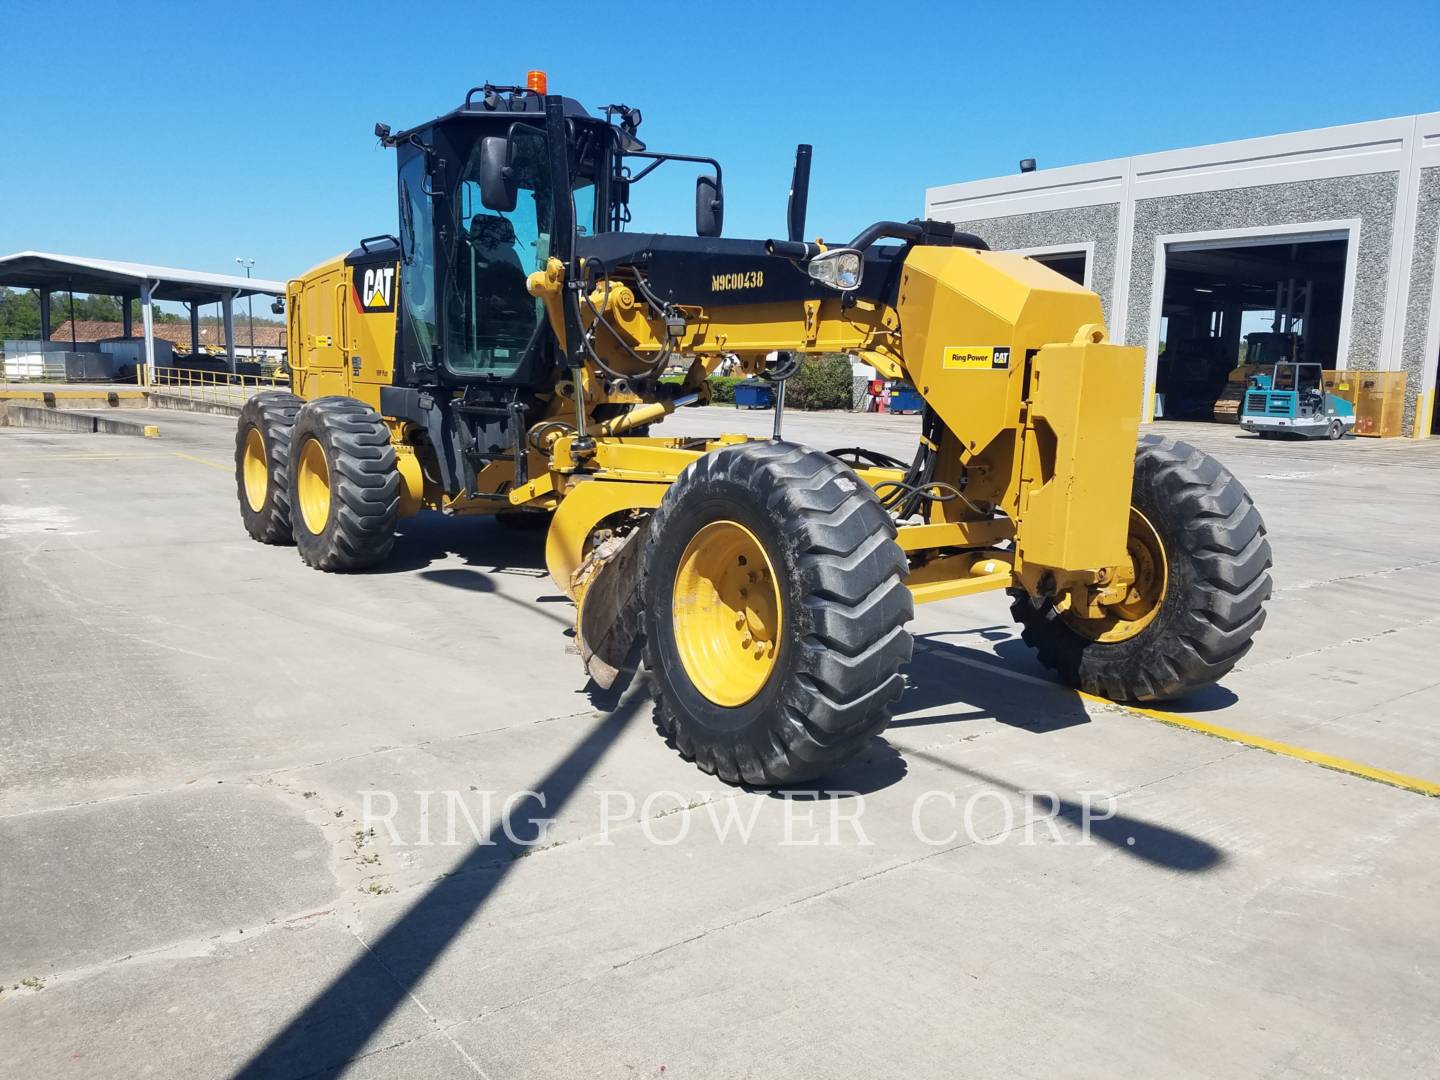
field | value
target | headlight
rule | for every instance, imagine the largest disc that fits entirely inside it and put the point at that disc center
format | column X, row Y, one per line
column 839, row 268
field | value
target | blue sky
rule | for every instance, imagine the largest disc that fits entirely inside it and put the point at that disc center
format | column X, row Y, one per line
column 189, row 134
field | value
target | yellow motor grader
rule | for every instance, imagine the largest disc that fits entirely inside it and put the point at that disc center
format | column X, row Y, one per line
column 503, row 355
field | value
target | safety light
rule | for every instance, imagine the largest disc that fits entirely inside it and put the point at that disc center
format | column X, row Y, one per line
column 535, row 80
column 839, row 268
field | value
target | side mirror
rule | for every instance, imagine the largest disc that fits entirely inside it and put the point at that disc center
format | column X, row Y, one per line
column 497, row 179
column 278, row 307
column 709, row 206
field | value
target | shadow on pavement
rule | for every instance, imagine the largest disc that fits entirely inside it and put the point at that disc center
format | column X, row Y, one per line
column 488, row 548
column 472, row 580
column 334, row 1027
column 941, row 674
column 1211, row 699
column 480, row 541
column 1014, row 657
column 1158, row 845
column 878, row 766
column 337, row 1023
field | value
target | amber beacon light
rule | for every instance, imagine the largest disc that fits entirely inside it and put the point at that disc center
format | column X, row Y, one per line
column 535, row 80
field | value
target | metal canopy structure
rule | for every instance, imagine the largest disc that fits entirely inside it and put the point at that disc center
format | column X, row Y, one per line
column 48, row 274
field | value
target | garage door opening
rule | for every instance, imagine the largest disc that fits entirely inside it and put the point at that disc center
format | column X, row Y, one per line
column 1434, row 400
column 1234, row 308
column 1069, row 263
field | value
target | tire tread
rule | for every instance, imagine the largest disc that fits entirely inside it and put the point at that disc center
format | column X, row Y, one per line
column 274, row 413
column 1227, row 551
column 850, row 622
column 364, row 489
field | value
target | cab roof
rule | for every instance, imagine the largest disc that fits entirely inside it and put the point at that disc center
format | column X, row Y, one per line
column 485, row 101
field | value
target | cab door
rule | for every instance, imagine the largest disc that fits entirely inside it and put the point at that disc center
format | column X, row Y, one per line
column 319, row 341
column 369, row 321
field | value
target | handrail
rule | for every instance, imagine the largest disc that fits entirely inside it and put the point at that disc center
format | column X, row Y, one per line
column 225, row 387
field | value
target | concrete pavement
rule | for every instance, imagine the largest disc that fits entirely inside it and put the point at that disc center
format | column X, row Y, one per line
column 193, row 728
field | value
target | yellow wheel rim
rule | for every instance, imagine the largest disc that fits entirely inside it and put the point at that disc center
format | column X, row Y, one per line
column 312, row 486
column 726, row 612
column 255, row 470
column 1142, row 600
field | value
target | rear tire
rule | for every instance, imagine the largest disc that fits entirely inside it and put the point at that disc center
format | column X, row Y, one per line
column 1216, row 584
column 344, row 485
column 1337, row 430
column 836, row 624
column 262, row 465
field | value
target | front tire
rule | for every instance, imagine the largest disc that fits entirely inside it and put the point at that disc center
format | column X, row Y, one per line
column 262, row 465
column 775, row 611
column 1213, row 582
column 344, row 485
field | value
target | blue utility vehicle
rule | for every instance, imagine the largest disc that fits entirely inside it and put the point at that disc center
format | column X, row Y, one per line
column 1291, row 402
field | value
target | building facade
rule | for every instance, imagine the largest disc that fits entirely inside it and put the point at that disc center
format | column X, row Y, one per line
column 1334, row 229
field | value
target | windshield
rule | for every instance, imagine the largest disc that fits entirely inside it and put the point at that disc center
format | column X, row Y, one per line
column 491, row 321
column 1297, row 377
column 488, row 323
column 491, row 317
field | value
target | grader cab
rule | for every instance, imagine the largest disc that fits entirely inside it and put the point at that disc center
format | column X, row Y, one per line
column 502, row 354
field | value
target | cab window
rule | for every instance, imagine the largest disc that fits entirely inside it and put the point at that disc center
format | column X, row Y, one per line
column 491, row 318
column 417, row 256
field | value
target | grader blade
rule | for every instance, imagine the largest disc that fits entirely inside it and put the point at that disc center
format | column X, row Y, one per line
column 607, row 590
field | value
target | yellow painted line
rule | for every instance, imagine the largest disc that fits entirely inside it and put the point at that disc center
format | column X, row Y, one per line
column 124, row 457
column 202, row 461
column 1299, row 753
column 92, row 457
column 69, row 395
column 1259, row 742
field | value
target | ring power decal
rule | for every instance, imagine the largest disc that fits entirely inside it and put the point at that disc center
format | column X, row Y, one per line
column 976, row 358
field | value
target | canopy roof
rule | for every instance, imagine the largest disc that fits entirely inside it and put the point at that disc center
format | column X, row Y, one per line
column 70, row 273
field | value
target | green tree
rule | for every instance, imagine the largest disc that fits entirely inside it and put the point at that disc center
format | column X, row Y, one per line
column 823, row 382
column 19, row 314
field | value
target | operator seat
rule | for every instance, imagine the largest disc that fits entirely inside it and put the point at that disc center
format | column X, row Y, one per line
column 504, row 309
